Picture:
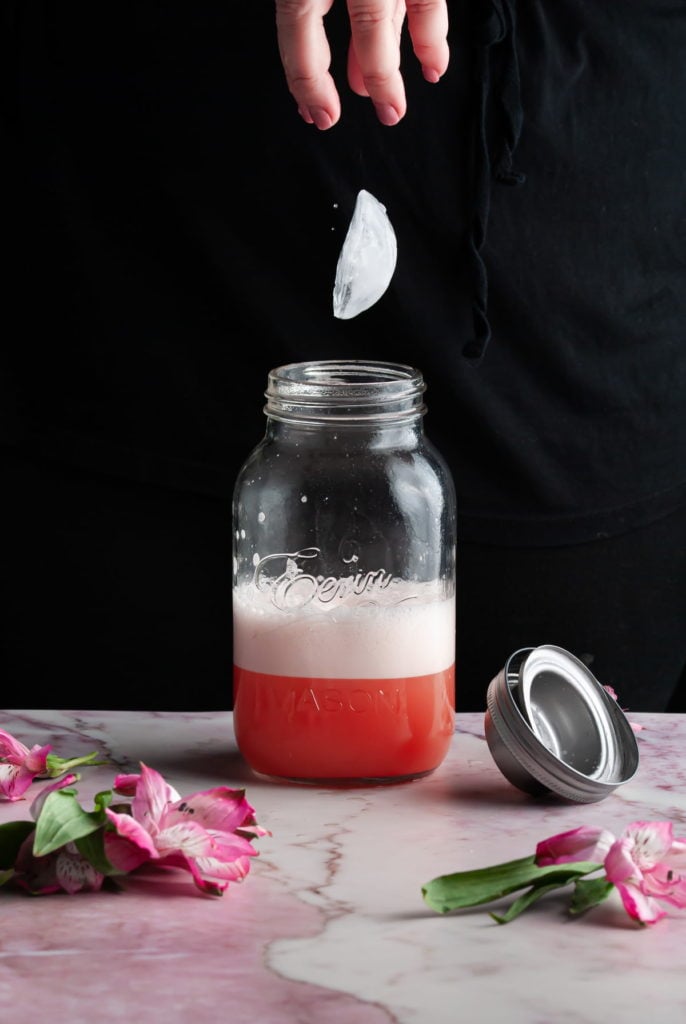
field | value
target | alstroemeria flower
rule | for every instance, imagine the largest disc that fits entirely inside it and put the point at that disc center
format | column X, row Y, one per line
column 19, row 766
column 207, row 833
column 646, row 863
column 65, row 870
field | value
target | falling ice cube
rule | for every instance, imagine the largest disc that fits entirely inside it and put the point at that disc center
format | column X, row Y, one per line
column 367, row 260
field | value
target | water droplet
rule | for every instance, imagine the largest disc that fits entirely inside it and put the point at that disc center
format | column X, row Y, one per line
column 256, row 559
column 303, row 498
column 261, row 517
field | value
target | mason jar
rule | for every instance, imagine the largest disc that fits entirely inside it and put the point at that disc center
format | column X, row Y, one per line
column 344, row 580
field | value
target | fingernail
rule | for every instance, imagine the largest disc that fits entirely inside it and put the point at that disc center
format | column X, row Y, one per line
column 431, row 75
column 321, row 118
column 305, row 114
column 387, row 114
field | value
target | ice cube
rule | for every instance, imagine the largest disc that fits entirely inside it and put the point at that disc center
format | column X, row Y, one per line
column 367, row 260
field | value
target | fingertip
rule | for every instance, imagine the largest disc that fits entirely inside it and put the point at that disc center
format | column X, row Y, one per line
column 317, row 116
column 387, row 114
column 431, row 75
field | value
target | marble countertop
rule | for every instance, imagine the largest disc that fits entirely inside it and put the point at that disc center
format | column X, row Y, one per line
column 330, row 927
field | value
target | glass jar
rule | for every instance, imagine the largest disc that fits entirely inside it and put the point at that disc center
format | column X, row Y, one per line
column 344, row 580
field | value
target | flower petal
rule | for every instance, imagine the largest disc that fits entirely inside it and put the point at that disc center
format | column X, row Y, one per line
column 235, row 871
column 125, row 785
column 651, row 841
column 123, row 854
column 228, row 860
column 666, row 880
column 153, row 795
column 17, row 774
column 582, row 843
column 185, row 837
column 36, row 759
column 638, row 906
column 222, row 808
column 209, row 886
column 132, row 830
column 37, row 805
column 15, row 779
column 620, row 865
column 210, row 876
column 213, row 859
column 10, row 747
column 662, row 884
column 74, row 873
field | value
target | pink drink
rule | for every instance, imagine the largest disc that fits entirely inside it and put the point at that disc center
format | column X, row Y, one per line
column 356, row 691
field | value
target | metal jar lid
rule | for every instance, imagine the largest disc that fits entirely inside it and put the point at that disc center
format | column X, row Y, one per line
column 552, row 728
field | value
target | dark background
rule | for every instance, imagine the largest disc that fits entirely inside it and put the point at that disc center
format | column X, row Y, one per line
column 173, row 230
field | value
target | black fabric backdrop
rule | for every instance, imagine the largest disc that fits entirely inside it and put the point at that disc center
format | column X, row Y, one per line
column 173, row 231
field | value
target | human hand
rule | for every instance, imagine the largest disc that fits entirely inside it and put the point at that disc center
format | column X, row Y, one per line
column 373, row 56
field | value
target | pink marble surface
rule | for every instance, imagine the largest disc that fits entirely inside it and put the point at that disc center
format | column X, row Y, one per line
column 329, row 925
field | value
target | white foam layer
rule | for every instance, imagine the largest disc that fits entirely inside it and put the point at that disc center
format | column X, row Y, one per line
column 413, row 637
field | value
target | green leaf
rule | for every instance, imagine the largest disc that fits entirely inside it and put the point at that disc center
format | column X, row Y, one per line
column 524, row 901
column 541, row 889
column 57, row 766
column 62, row 820
column 103, row 799
column 92, row 847
column 589, row 892
column 472, row 888
column 5, row 876
column 12, row 835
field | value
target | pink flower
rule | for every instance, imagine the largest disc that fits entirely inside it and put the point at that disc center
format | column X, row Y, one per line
column 207, row 833
column 19, row 766
column 65, row 870
column 646, row 863
column 591, row 844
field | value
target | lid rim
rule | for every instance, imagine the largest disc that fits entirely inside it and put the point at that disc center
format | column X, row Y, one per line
column 510, row 708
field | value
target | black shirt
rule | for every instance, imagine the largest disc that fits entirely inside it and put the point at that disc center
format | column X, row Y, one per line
column 174, row 230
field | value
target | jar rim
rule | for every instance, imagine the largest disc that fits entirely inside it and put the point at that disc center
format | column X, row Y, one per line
column 345, row 390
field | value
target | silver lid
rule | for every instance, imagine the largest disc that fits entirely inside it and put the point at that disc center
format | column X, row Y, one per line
column 552, row 728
